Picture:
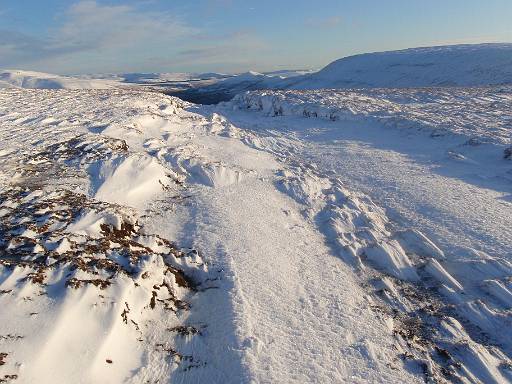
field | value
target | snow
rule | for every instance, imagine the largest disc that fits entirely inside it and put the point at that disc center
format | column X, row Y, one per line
column 259, row 80
column 39, row 80
column 267, row 304
column 165, row 77
column 212, row 92
column 447, row 66
column 452, row 65
column 130, row 181
column 245, row 81
column 435, row 161
column 285, row 236
column 287, row 73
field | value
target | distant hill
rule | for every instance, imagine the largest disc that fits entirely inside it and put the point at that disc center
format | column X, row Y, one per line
column 455, row 65
column 29, row 79
column 156, row 78
column 226, row 89
column 444, row 66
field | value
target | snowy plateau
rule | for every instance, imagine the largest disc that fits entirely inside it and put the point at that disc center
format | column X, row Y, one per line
column 351, row 225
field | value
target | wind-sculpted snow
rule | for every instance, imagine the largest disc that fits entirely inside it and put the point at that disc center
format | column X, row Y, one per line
column 442, row 318
column 88, row 289
column 437, row 160
column 145, row 239
column 187, row 281
column 480, row 114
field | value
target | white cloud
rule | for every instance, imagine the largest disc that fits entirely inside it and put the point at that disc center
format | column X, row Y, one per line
column 93, row 33
column 115, row 27
column 94, row 37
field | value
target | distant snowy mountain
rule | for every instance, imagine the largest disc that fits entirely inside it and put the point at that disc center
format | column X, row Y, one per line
column 246, row 79
column 287, row 73
column 155, row 78
column 255, row 80
column 226, row 89
column 443, row 66
column 456, row 65
column 28, row 79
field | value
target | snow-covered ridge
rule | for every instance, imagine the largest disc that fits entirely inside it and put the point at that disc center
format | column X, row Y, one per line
column 448, row 66
column 76, row 200
column 452, row 65
column 210, row 81
column 281, row 270
column 254, row 80
column 88, row 268
column 455, row 65
column 155, row 78
column 39, row 80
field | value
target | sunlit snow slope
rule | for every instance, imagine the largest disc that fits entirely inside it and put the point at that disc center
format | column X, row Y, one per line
column 457, row 65
column 446, row 66
column 284, row 237
column 39, row 80
column 147, row 240
column 439, row 162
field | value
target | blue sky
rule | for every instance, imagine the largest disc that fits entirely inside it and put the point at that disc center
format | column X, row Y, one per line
column 88, row 36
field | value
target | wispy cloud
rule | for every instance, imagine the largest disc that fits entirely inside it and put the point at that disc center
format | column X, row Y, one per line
column 233, row 51
column 16, row 47
column 92, row 36
column 89, row 28
column 105, row 27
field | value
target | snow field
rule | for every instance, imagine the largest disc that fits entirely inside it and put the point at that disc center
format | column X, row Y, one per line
column 214, row 245
column 374, row 143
